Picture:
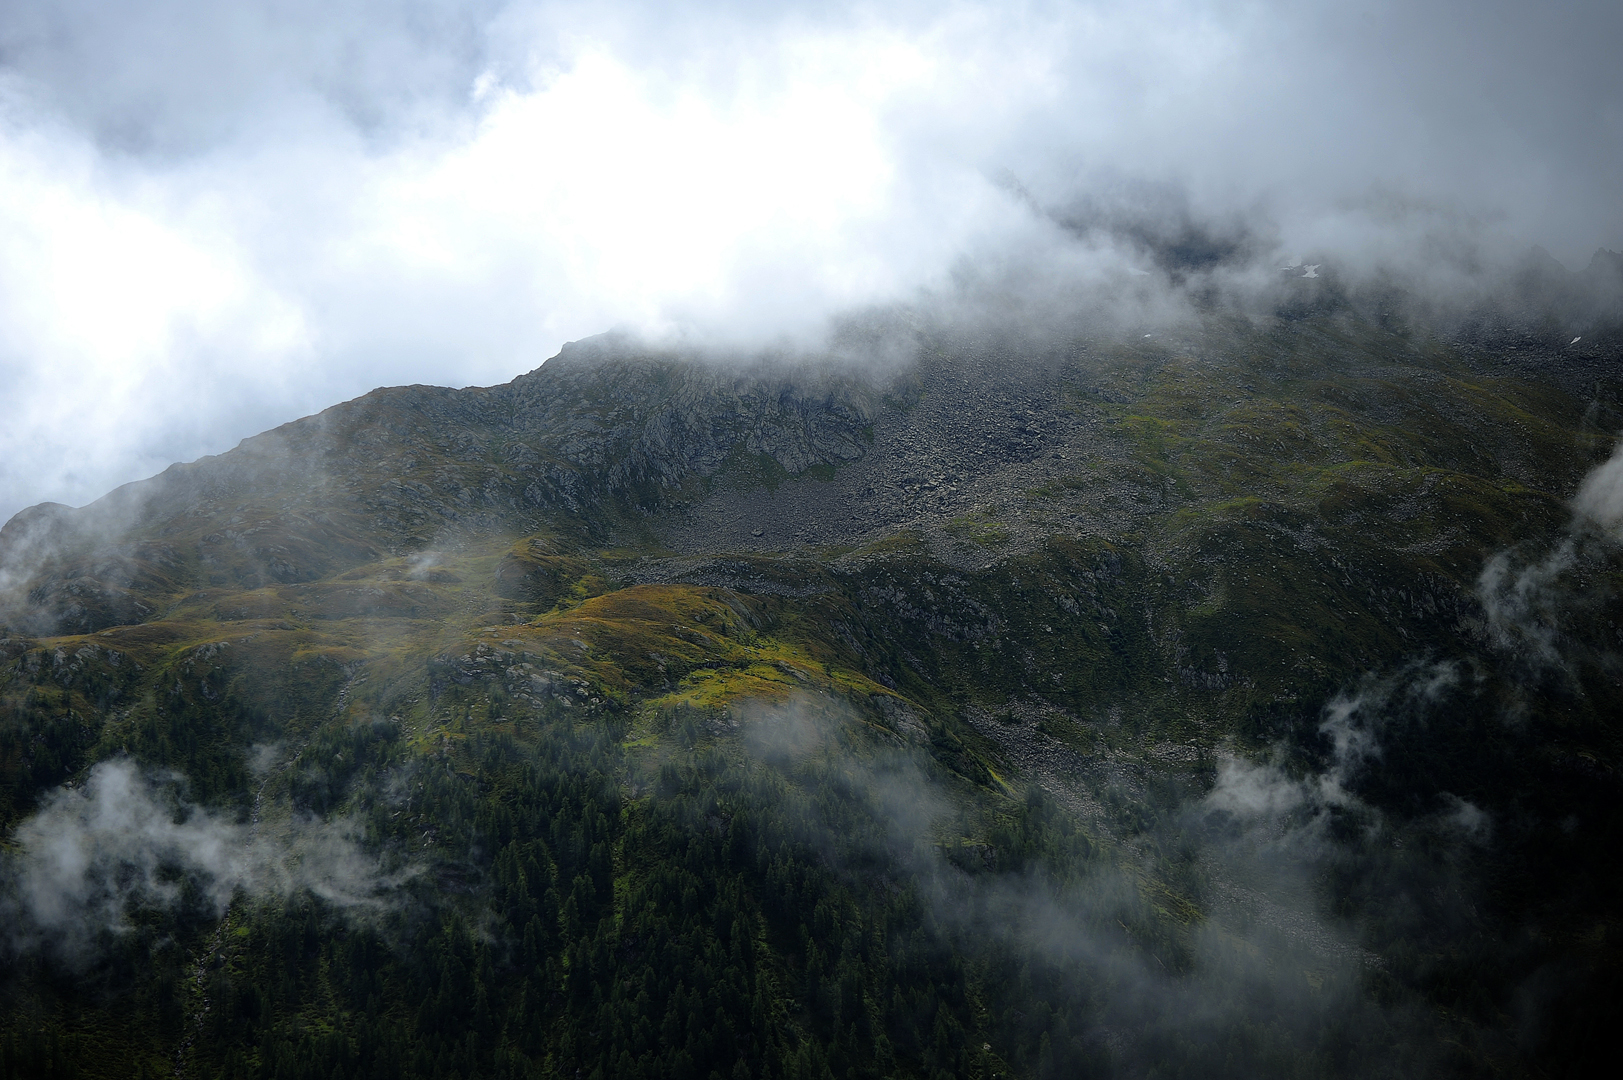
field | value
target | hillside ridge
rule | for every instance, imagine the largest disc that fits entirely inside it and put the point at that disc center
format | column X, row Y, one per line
column 1278, row 637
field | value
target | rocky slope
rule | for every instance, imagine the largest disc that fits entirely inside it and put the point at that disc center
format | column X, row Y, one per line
column 1315, row 577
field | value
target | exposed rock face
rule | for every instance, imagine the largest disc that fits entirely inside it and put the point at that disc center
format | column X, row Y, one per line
column 661, row 421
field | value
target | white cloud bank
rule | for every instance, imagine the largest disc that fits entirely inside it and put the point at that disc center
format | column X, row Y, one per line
column 218, row 217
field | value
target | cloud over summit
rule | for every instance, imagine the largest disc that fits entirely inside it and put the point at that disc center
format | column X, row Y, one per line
column 219, row 218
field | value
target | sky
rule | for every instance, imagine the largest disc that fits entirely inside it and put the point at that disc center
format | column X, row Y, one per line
column 216, row 217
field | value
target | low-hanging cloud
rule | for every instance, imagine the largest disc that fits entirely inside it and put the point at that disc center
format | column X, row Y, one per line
column 1599, row 501
column 218, row 219
column 1247, row 961
column 1525, row 602
column 125, row 839
column 1530, row 603
column 1264, row 793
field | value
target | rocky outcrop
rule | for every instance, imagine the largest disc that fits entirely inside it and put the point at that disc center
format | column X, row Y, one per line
column 605, row 429
column 653, row 422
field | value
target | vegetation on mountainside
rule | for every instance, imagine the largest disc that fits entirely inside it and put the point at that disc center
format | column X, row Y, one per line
column 800, row 822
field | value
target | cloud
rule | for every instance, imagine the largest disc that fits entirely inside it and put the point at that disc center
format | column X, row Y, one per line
column 1263, row 792
column 167, row 77
column 220, row 218
column 1525, row 604
column 116, row 321
column 125, row 838
column 1530, row 606
column 1249, row 790
column 1081, row 925
column 1600, row 497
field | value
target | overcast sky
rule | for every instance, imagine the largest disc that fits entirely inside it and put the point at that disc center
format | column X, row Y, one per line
column 217, row 216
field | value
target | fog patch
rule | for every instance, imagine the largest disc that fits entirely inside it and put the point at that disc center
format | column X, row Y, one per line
column 1259, row 791
column 1249, row 790
column 1600, row 497
column 783, row 732
column 1466, row 818
column 62, row 567
column 1530, row 604
column 1259, row 952
column 1524, row 604
column 263, row 758
column 420, row 565
column 127, row 839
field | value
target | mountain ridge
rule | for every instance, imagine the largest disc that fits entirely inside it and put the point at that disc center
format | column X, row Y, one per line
column 1289, row 615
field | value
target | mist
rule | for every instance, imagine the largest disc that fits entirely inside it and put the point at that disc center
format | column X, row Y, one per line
column 218, row 220
column 1265, row 951
column 1534, row 599
column 129, row 839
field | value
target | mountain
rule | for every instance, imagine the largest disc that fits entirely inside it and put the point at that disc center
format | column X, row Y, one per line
column 1230, row 696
